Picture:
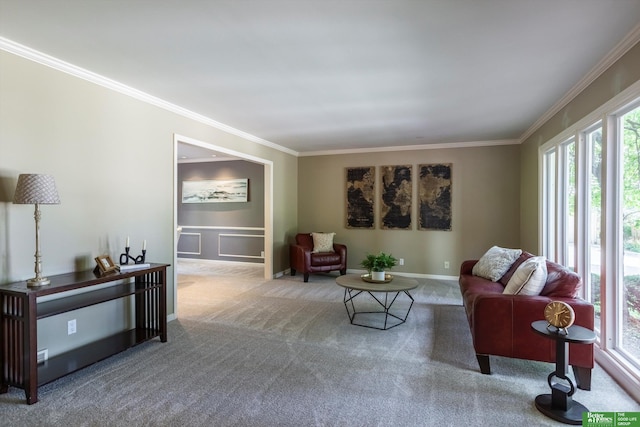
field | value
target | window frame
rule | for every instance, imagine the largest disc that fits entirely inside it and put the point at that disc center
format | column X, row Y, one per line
column 618, row 362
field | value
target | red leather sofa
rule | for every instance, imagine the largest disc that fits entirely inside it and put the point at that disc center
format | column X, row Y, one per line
column 501, row 324
column 304, row 260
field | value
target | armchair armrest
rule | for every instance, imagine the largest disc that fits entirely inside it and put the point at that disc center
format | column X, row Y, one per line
column 341, row 250
column 300, row 256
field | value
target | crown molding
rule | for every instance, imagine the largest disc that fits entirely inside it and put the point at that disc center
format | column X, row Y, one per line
column 65, row 67
column 448, row 145
column 616, row 53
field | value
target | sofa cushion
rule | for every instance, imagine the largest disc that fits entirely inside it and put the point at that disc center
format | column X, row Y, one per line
column 495, row 262
column 507, row 276
column 529, row 278
column 561, row 282
column 322, row 242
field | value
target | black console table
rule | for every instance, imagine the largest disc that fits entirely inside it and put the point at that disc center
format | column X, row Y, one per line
column 20, row 311
column 560, row 405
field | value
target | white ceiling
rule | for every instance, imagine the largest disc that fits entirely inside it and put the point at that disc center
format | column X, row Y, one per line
column 316, row 76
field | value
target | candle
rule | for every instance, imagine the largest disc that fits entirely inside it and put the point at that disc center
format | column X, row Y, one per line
column 144, row 245
column 128, row 242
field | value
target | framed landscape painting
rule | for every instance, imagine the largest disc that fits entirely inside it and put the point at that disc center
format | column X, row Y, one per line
column 215, row 191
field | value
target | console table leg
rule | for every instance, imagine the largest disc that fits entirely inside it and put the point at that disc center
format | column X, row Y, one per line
column 32, row 397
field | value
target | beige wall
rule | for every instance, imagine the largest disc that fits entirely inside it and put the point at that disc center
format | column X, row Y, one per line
column 614, row 80
column 485, row 206
column 113, row 159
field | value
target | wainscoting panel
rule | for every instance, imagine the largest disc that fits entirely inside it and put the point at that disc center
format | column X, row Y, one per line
column 241, row 245
column 222, row 243
column 190, row 244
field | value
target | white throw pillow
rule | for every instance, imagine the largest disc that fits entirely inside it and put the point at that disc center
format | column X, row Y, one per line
column 529, row 278
column 323, row 242
column 495, row 263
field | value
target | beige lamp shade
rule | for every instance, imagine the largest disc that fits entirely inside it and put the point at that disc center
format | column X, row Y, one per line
column 36, row 189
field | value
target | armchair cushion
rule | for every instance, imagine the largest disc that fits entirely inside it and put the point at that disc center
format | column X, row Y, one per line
column 322, row 242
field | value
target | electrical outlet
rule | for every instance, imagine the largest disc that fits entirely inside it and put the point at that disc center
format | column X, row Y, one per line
column 401, row 261
column 42, row 356
column 71, row 327
column 446, row 264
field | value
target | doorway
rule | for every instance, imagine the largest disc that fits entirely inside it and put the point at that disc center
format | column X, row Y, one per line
column 186, row 142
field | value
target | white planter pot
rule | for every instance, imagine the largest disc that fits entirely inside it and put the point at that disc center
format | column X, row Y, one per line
column 377, row 275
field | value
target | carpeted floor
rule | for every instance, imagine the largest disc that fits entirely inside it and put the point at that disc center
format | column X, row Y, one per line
column 250, row 352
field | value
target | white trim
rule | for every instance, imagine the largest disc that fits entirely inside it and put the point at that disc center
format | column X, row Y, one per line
column 616, row 103
column 625, row 374
column 214, row 261
column 621, row 48
column 215, row 227
column 467, row 144
column 65, row 67
column 414, row 275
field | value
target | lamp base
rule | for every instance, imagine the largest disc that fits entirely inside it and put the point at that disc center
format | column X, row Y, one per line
column 38, row 281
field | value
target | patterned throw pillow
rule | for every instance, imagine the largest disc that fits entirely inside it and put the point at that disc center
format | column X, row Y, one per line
column 495, row 263
column 323, row 242
column 529, row 278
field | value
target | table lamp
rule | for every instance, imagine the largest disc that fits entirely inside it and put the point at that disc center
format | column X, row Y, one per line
column 36, row 189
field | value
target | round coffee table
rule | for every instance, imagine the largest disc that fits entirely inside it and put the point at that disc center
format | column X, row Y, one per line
column 354, row 285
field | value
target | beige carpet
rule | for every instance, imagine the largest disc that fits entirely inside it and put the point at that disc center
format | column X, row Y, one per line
column 249, row 352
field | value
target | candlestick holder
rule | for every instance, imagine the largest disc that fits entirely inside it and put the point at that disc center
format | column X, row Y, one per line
column 125, row 257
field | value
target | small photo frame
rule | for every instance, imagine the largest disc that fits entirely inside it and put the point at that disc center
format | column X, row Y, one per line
column 105, row 265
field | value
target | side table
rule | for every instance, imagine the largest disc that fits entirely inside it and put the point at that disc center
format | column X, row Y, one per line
column 560, row 405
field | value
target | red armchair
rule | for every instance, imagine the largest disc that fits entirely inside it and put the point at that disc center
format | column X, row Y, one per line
column 304, row 260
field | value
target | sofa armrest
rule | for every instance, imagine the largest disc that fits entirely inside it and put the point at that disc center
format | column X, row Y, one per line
column 523, row 310
column 467, row 266
column 501, row 324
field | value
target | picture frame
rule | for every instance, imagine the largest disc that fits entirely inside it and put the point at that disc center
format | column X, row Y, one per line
column 360, row 197
column 435, row 200
column 105, row 265
column 396, row 197
column 216, row 191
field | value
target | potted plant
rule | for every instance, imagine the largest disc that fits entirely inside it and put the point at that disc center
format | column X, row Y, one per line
column 377, row 264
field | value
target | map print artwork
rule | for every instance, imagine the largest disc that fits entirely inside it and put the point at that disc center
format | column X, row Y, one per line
column 360, row 197
column 396, row 197
column 434, row 190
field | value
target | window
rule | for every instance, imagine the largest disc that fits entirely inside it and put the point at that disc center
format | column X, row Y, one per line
column 591, row 223
column 568, row 242
column 629, row 217
column 593, row 142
